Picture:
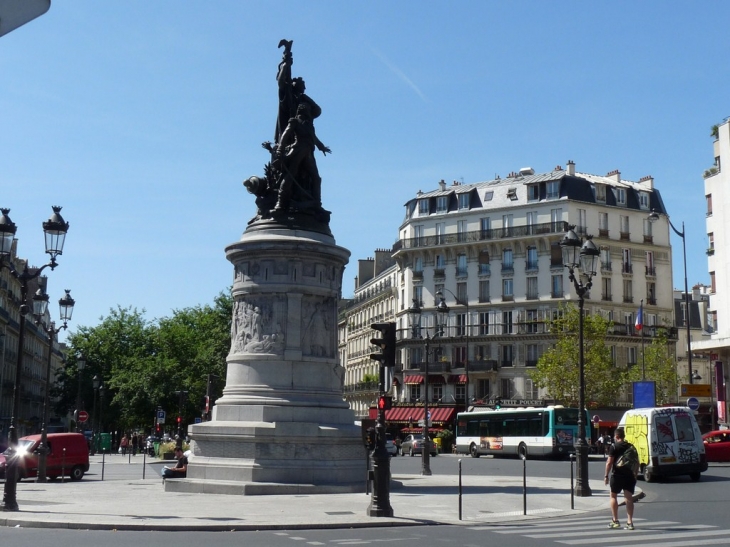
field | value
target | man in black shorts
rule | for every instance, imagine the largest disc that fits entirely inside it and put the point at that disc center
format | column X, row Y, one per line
column 622, row 479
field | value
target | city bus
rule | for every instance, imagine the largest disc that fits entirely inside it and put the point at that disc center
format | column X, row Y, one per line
column 544, row 432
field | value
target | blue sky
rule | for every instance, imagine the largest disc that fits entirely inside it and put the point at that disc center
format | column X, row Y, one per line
column 142, row 119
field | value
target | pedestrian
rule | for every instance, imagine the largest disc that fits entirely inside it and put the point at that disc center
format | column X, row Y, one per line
column 607, row 442
column 135, row 440
column 180, row 471
column 622, row 479
column 599, row 445
column 124, row 444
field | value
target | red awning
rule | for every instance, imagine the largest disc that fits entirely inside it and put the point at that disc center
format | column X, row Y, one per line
column 413, row 380
column 457, row 379
column 406, row 414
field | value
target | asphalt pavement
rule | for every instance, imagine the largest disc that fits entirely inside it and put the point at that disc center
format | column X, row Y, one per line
column 126, row 501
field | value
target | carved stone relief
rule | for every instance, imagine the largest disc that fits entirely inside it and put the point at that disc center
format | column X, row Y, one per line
column 258, row 326
column 317, row 328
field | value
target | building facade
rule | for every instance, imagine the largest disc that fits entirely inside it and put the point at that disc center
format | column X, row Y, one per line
column 491, row 251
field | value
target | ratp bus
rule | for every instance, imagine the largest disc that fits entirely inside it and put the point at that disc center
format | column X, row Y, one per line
column 549, row 431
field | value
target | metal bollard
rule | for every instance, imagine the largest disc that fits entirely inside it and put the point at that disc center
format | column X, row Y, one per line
column 572, row 494
column 103, row 464
column 524, row 485
column 63, row 465
column 144, row 463
column 460, row 489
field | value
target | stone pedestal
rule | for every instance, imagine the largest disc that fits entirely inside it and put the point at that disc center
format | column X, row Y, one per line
column 281, row 426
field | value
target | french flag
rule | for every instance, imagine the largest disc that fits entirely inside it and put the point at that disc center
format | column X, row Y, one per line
column 640, row 317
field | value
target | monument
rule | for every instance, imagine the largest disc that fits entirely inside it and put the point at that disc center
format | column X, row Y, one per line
column 282, row 425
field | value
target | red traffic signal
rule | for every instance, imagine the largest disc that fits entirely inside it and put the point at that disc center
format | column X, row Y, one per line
column 385, row 402
column 179, row 419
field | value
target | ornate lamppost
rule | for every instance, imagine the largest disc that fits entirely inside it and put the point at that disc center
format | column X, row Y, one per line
column 95, row 383
column 653, row 217
column 40, row 304
column 80, row 365
column 582, row 255
column 464, row 303
column 414, row 318
column 55, row 229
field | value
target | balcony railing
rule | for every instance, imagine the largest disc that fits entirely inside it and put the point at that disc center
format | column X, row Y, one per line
column 625, row 236
column 627, row 268
column 650, row 271
column 481, row 235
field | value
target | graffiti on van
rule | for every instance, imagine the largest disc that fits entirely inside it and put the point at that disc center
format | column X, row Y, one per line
column 636, row 428
column 688, row 454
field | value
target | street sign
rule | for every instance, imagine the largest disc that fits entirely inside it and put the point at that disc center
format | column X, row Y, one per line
column 160, row 416
column 83, row 416
column 696, row 390
column 198, row 420
column 596, row 418
column 693, row 403
column 15, row 13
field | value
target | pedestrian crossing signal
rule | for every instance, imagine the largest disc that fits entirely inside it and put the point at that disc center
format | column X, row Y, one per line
column 385, row 402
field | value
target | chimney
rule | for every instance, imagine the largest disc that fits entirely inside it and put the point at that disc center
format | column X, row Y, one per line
column 615, row 175
column 383, row 260
column 571, row 168
column 442, row 185
column 648, row 180
column 366, row 270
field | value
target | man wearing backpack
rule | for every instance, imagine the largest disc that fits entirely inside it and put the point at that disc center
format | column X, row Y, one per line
column 621, row 467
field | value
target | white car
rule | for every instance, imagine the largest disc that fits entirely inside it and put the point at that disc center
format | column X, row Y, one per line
column 390, row 445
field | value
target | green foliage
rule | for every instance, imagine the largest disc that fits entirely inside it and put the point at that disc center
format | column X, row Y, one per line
column 558, row 369
column 447, row 439
column 366, row 378
column 142, row 363
column 658, row 364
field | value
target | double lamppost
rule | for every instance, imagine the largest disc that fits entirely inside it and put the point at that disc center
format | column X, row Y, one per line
column 580, row 255
column 465, row 303
column 653, row 217
column 40, row 305
column 414, row 318
column 55, row 229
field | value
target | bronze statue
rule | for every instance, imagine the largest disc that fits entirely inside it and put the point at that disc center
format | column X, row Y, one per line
column 289, row 193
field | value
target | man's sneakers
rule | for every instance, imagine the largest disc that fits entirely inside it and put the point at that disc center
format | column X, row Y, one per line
column 629, row 526
column 614, row 524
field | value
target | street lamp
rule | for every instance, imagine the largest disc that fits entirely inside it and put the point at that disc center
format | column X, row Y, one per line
column 40, row 304
column 100, row 423
column 55, row 229
column 414, row 318
column 653, row 217
column 465, row 303
column 95, row 383
column 80, row 365
column 581, row 255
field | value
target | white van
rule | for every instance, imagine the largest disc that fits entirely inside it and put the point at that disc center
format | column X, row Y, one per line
column 668, row 441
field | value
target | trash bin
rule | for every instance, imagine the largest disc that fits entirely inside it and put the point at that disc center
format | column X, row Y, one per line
column 105, row 442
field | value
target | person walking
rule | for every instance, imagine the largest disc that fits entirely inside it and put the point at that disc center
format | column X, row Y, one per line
column 135, row 441
column 124, row 444
column 622, row 479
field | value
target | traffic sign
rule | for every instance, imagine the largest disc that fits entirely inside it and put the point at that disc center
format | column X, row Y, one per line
column 161, row 416
column 693, row 403
column 696, row 390
column 83, row 416
column 596, row 418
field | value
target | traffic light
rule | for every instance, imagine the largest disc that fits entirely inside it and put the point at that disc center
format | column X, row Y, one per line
column 498, row 403
column 386, row 344
column 385, row 402
column 370, row 438
column 158, row 430
column 179, row 420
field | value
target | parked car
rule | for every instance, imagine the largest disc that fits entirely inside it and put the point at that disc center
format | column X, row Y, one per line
column 413, row 444
column 390, row 445
column 68, row 456
column 717, row 445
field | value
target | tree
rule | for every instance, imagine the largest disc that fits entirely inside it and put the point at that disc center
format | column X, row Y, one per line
column 658, row 364
column 558, row 369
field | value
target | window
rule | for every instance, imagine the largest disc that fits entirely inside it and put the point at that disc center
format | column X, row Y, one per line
column 556, row 256
column 461, row 292
column 553, row 189
column 711, row 243
column 484, row 263
column 506, row 354
column 461, row 265
column 507, row 289
column 533, row 192
column 531, row 391
column 418, row 265
column 648, row 238
column 505, row 388
column 628, row 291
column 437, row 288
column 437, row 392
column 418, row 294
column 601, row 193
column 506, row 322
column 461, row 230
column 531, row 258
column 620, row 194
column 415, row 392
column 603, row 224
column 531, row 322
column 483, row 390
column 488, row 195
column 483, row 322
column 440, row 232
column 713, row 288
column 612, row 351
column 556, row 282
column 533, row 355
column 512, row 194
column 460, row 324
column 484, row 290
column 507, row 221
column 464, row 200
column 626, row 256
column 507, row 263
column 460, row 392
column 556, row 218
column 708, row 197
column 650, row 270
column 482, row 353
column 651, row 293
column 442, row 204
column 418, row 236
column 582, row 222
column 606, row 293
column 644, row 200
column 625, row 231
column 605, row 258
column 631, row 356
column 440, row 262
column 485, row 228
column 530, row 221
column 532, row 288
column 423, row 206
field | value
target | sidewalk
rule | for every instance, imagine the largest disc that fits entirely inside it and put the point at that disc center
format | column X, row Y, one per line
column 137, row 504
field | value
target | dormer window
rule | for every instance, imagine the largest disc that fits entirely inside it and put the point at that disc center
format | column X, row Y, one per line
column 442, row 204
column 644, row 200
column 620, row 194
column 600, row 193
column 488, row 195
column 533, row 192
column 464, row 201
column 553, row 189
column 423, row 206
column 512, row 194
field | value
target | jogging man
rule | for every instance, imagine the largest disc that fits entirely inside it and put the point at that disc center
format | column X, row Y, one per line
column 622, row 479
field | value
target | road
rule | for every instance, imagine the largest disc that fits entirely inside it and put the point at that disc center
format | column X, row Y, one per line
column 674, row 513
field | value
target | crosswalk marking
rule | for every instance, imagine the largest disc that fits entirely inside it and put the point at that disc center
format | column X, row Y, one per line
column 662, row 536
column 690, row 543
column 559, row 525
column 637, row 531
